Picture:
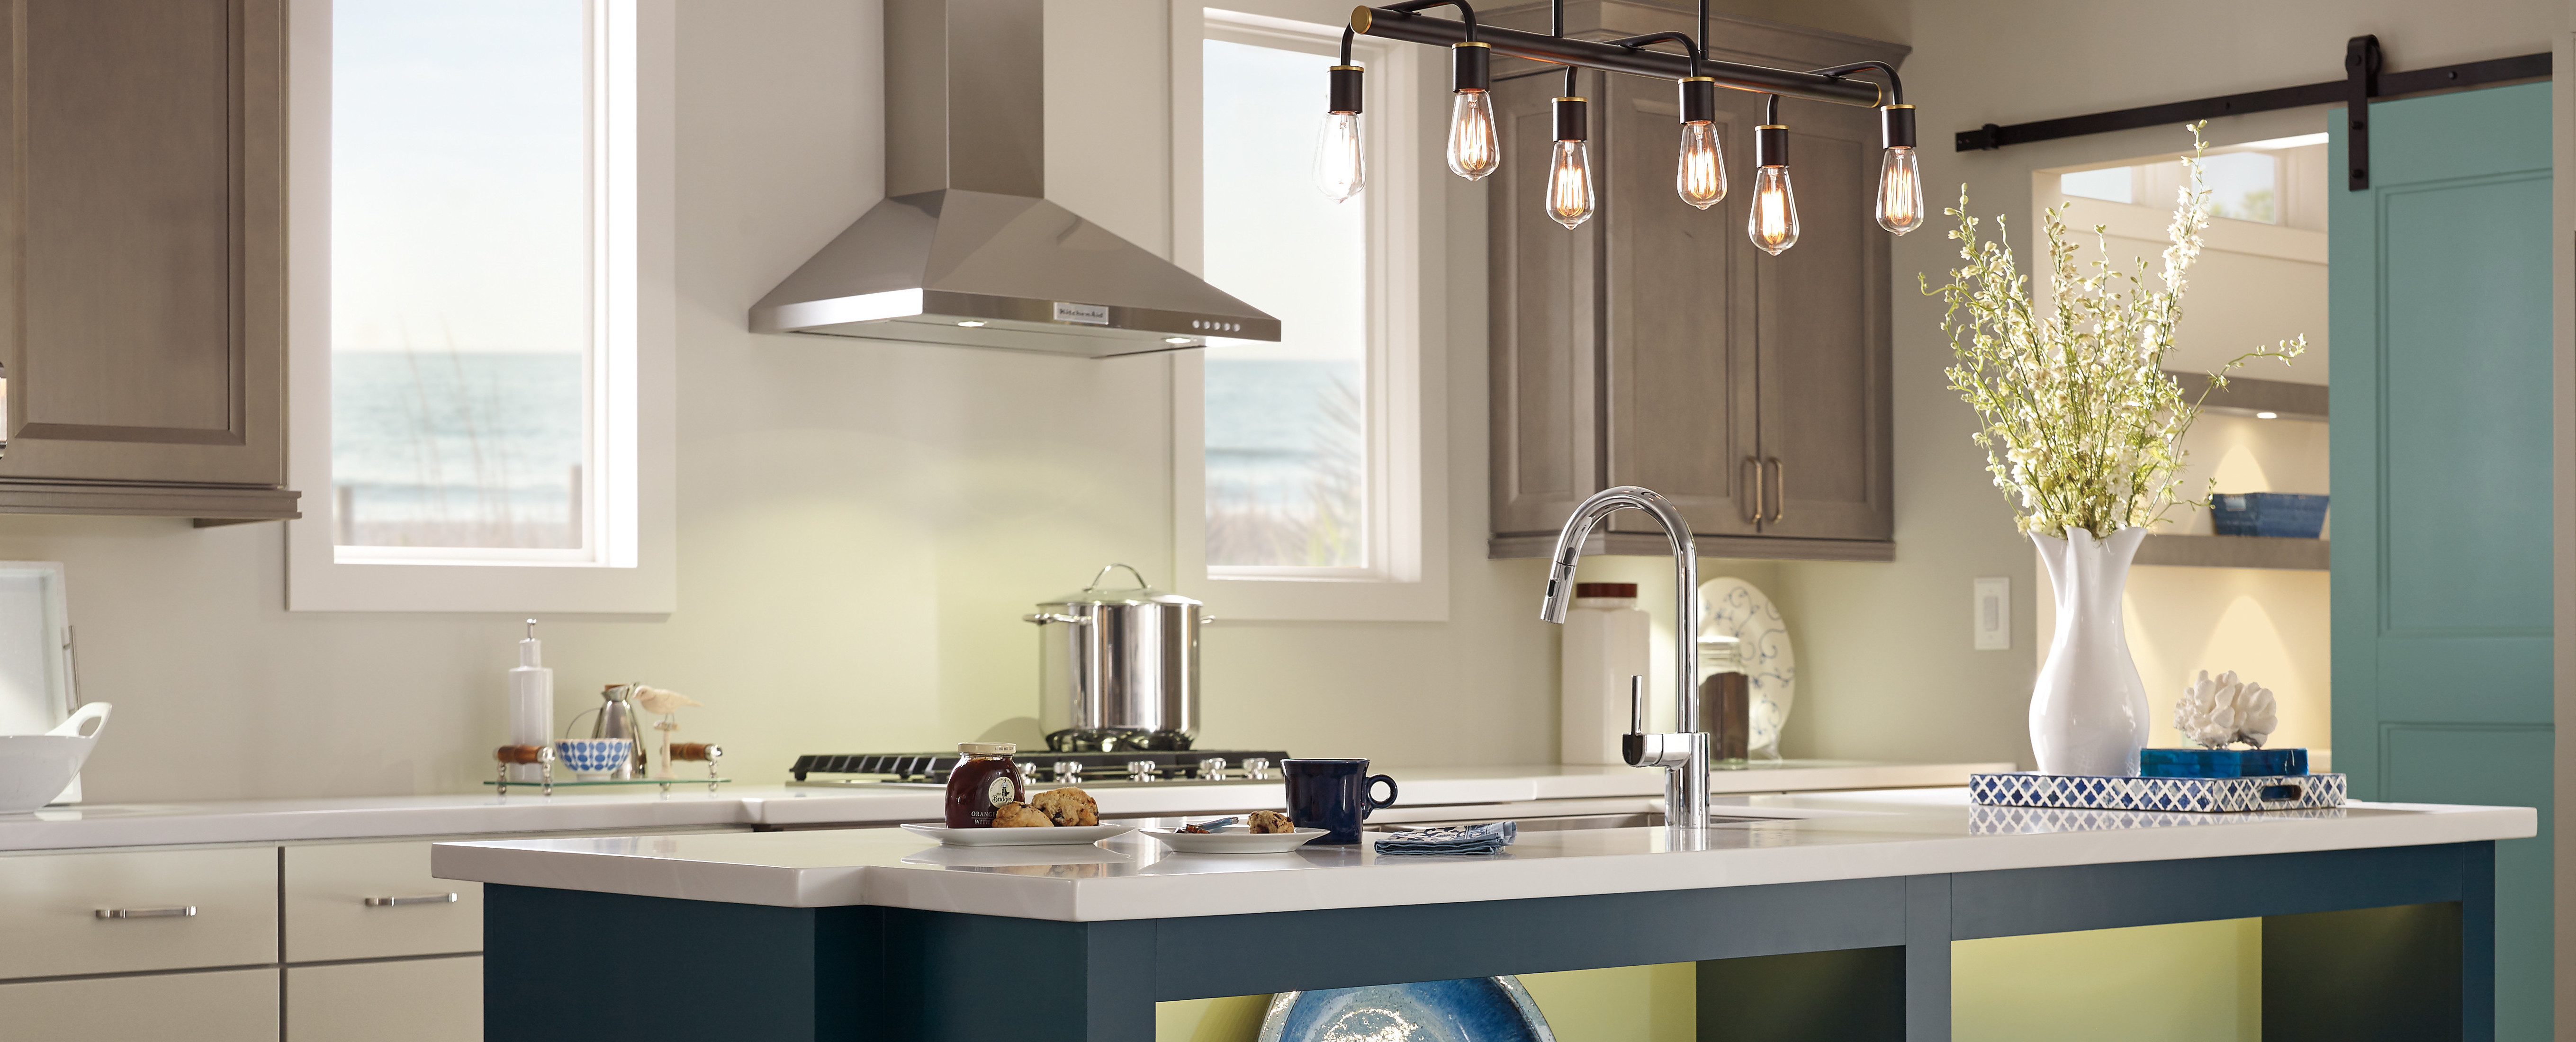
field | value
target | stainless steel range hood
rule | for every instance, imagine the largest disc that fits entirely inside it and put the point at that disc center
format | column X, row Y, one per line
column 966, row 249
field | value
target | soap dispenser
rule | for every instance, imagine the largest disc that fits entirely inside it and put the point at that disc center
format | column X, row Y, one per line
column 532, row 704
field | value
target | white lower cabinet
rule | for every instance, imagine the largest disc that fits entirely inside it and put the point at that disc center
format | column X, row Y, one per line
column 374, row 901
column 134, row 910
column 406, row 1000
column 212, row 1006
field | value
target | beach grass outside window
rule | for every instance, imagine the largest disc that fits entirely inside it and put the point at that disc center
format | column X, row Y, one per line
column 469, row 213
column 1294, row 488
column 479, row 326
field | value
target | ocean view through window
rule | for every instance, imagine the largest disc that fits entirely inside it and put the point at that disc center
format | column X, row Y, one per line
column 465, row 278
column 1289, row 433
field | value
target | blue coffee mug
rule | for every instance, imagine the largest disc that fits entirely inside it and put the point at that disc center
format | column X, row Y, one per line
column 1333, row 795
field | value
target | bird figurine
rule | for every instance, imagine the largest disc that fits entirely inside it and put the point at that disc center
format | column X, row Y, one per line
column 2217, row 713
column 666, row 703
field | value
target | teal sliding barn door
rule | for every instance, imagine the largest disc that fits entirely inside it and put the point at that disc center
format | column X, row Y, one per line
column 2440, row 365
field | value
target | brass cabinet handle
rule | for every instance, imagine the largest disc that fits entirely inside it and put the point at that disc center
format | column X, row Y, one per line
column 1756, row 515
column 172, row 912
column 1779, row 489
column 424, row 899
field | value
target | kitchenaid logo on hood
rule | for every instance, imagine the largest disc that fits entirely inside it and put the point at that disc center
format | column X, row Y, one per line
column 1086, row 314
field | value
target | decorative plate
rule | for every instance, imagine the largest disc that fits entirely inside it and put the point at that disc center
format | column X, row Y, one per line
column 1472, row 1009
column 1060, row 835
column 1233, row 839
column 1731, row 607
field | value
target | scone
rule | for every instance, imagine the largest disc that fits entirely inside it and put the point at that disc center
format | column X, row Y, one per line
column 1269, row 821
column 1020, row 816
column 1069, row 806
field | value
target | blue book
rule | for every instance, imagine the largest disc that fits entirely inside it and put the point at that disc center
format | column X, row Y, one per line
column 2221, row 763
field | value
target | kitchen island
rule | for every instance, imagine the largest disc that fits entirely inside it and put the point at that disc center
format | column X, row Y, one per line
column 1815, row 916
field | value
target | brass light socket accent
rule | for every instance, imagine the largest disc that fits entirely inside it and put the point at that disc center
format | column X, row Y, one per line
column 1572, row 117
column 1345, row 88
column 1360, row 19
column 1471, row 66
column 1699, row 99
column 1771, row 145
column 1896, row 126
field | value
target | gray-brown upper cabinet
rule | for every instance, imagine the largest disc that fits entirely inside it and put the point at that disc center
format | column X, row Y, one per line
column 1655, row 345
column 143, row 258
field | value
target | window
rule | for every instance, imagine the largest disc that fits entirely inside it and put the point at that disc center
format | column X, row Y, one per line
column 1287, row 423
column 462, row 278
column 1313, row 495
column 2243, row 186
column 472, row 332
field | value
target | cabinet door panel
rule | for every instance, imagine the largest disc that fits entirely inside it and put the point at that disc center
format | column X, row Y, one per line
column 1547, row 445
column 410, row 1000
column 141, row 292
column 223, row 1006
column 1679, row 316
column 1824, row 336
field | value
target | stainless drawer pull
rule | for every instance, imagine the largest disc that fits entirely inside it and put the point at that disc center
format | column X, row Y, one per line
column 147, row 913
column 425, row 899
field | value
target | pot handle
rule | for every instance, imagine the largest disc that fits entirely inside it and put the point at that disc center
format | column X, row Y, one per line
column 1206, row 619
column 1046, row 617
column 1131, row 570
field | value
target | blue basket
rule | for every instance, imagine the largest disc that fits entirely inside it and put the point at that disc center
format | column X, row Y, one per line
column 2280, row 514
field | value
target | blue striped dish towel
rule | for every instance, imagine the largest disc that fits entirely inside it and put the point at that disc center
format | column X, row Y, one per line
column 1457, row 839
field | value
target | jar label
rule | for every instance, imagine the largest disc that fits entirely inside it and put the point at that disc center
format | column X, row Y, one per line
column 999, row 792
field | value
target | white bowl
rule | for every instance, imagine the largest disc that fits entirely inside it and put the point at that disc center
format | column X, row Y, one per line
column 35, row 768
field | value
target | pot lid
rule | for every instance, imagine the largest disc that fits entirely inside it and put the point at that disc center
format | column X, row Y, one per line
column 1137, row 595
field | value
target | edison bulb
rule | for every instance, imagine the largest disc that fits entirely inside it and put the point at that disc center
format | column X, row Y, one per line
column 1900, row 192
column 1474, row 151
column 1701, row 176
column 1569, row 184
column 1774, row 222
column 1339, row 174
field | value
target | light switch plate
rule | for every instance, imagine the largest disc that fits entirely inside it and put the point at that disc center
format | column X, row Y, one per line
column 1991, row 609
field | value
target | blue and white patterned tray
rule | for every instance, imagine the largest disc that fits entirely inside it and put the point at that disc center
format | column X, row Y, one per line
column 2187, row 795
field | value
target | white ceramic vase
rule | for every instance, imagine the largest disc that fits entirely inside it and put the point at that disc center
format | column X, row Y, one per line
column 2088, row 713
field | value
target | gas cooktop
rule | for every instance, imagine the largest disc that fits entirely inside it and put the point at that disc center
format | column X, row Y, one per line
column 1137, row 767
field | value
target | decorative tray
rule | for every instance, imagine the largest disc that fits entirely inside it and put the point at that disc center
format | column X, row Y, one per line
column 2184, row 795
column 582, row 783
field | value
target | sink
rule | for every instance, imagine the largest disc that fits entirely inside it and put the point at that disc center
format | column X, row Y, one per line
column 1571, row 823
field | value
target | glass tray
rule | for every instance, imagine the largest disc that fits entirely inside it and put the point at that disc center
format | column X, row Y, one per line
column 581, row 783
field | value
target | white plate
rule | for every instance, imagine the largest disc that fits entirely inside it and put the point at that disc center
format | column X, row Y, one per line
column 991, row 837
column 1731, row 607
column 1231, row 840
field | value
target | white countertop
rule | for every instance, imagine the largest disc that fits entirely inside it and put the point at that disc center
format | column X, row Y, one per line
column 641, row 808
column 1819, row 836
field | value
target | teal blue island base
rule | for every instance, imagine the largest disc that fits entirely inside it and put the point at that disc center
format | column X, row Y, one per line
column 2386, row 943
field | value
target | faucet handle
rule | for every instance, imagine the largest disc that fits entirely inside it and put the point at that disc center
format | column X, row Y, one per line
column 1636, row 704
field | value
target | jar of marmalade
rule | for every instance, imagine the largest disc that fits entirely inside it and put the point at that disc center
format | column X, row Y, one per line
column 983, row 779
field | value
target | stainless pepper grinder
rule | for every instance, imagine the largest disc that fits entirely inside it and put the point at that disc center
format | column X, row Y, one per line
column 617, row 720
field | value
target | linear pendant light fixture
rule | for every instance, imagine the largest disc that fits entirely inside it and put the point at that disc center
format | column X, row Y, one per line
column 1699, row 175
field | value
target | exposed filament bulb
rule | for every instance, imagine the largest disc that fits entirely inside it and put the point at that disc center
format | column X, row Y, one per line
column 1339, row 171
column 1900, row 191
column 1774, row 221
column 1700, row 178
column 1474, row 150
column 1569, row 184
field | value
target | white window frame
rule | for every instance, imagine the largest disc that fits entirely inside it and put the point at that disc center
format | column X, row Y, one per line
column 629, row 565
column 1406, row 577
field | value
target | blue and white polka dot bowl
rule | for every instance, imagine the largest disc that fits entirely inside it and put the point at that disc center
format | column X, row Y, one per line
column 594, row 758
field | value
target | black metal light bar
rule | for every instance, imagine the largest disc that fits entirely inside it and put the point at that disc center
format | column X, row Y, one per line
column 2390, row 84
column 1413, row 28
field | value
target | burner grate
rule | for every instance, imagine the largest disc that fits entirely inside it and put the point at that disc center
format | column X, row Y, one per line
column 934, row 767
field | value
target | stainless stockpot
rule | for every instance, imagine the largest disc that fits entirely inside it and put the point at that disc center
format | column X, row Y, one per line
column 1118, row 668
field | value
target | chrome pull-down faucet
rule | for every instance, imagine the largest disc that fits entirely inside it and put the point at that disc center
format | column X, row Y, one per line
column 1683, row 752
